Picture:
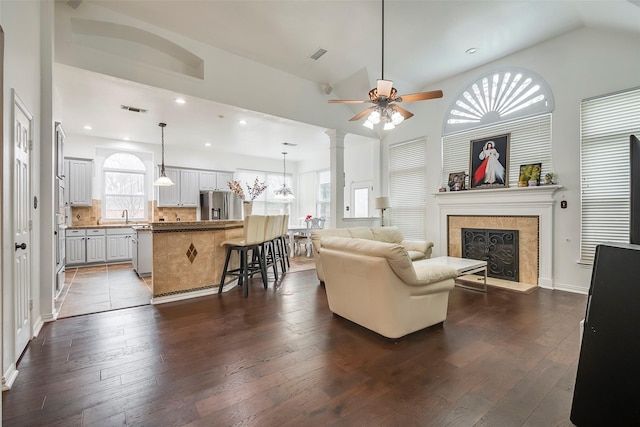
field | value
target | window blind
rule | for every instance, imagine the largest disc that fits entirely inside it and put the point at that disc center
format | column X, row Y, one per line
column 530, row 142
column 407, row 189
column 606, row 124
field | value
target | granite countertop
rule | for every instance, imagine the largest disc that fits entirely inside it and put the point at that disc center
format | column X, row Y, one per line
column 82, row 227
column 213, row 224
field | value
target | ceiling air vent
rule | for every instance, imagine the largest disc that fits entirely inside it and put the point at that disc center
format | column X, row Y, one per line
column 134, row 109
column 318, row 53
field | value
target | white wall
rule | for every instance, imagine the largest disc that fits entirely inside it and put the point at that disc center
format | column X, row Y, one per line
column 22, row 72
column 577, row 65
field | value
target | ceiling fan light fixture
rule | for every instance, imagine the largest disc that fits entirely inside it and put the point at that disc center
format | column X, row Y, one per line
column 368, row 124
column 389, row 126
column 374, row 117
column 396, row 118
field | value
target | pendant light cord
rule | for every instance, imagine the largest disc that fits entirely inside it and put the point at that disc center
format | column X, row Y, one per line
column 162, row 125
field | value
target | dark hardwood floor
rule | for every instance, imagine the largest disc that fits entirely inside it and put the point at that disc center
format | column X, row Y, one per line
column 280, row 358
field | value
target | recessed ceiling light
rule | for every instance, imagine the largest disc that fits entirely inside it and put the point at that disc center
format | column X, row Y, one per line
column 87, row 127
column 471, row 50
column 180, row 101
column 242, row 122
column 125, row 138
column 207, row 144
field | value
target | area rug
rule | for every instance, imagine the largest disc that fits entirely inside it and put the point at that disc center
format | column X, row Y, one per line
column 301, row 263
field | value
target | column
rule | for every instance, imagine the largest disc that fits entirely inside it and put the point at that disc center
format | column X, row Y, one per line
column 336, row 148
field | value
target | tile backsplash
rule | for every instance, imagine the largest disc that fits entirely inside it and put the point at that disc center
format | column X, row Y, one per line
column 92, row 215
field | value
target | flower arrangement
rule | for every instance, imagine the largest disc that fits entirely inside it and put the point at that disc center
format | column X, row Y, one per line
column 254, row 190
column 308, row 217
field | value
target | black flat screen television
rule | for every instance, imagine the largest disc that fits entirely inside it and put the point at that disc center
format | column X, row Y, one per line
column 634, row 229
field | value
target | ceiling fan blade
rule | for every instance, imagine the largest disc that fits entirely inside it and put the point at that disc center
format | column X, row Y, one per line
column 420, row 96
column 361, row 114
column 347, row 101
column 384, row 87
column 405, row 113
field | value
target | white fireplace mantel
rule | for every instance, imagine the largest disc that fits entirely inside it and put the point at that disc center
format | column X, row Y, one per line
column 525, row 201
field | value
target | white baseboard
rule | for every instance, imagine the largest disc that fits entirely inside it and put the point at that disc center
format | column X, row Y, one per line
column 9, row 377
column 570, row 288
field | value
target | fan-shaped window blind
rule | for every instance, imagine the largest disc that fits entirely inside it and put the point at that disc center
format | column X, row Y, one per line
column 505, row 95
column 606, row 124
column 530, row 143
column 407, row 189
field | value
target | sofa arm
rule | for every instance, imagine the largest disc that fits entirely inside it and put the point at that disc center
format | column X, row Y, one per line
column 418, row 246
column 426, row 273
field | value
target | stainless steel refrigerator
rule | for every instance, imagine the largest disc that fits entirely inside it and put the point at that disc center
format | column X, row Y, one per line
column 220, row 205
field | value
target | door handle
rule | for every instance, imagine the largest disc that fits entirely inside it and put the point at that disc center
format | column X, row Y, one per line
column 22, row 246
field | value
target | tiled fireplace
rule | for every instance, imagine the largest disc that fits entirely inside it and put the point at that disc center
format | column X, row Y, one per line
column 528, row 210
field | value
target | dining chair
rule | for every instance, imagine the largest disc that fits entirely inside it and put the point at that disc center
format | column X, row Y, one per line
column 304, row 237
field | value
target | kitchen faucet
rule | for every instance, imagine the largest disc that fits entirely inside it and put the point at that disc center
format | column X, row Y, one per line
column 125, row 215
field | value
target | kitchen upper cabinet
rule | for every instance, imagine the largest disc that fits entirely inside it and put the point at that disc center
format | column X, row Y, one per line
column 184, row 193
column 78, row 181
column 214, row 181
column 189, row 188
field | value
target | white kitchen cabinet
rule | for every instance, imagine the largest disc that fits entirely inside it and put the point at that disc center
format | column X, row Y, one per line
column 214, row 181
column 96, row 245
column 78, row 181
column 75, row 247
column 184, row 193
column 189, row 189
column 119, row 244
column 208, row 180
column 142, row 256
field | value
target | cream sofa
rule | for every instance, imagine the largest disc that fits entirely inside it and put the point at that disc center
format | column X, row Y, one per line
column 417, row 249
column 377, row 285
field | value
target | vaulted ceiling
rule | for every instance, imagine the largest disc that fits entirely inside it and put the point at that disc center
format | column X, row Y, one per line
column 424, row 42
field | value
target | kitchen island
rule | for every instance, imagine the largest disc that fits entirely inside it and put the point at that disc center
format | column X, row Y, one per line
column 187, row 257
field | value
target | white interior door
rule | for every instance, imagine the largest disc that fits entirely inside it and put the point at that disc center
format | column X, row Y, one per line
column 22, row 133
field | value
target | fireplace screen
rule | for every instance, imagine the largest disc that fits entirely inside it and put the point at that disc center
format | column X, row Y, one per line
column 498, row 247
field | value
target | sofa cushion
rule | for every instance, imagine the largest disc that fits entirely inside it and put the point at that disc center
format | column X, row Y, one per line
column 361, row 233
column 387, row 234
column 416, row 255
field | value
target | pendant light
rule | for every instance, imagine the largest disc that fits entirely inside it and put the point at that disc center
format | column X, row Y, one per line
column 284, row 192
column 163, row 180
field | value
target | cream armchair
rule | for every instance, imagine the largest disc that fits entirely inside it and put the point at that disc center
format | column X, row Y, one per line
column 377, row 285
column 417, row 249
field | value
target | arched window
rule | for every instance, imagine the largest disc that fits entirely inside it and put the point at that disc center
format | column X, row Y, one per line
column 505, row 95
column 124, row 176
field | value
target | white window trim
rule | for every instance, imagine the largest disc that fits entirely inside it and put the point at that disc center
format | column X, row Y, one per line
column 147, row 161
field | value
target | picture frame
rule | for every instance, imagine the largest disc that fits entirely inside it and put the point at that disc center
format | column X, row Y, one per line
column 489, row 162
column 456, row 181
column 530, row 175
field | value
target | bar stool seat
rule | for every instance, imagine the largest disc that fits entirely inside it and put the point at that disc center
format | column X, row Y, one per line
column 254, row 231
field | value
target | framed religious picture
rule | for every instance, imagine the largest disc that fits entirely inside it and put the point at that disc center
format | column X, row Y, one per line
column 489, row 162
column 456, row 181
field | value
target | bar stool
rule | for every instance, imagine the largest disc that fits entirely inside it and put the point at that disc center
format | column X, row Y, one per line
column 268, row 246
column 254, row 229
column 282, row 254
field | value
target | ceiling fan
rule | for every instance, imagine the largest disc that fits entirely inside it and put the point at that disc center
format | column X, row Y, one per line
column 385, row 98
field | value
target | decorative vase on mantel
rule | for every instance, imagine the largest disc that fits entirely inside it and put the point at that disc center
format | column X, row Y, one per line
column 246, row 207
